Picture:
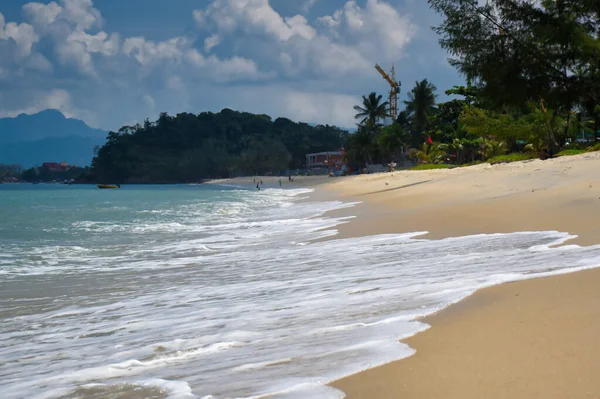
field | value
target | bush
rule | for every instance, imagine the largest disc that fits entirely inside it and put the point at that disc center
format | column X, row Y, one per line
column 430, row 166
column 570, row 151
column 595, row 147
column 513, row 157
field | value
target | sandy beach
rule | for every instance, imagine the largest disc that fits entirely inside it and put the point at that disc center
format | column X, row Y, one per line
column 558, row 194
column 273, row 181
column 534, row 338
column 530, row 339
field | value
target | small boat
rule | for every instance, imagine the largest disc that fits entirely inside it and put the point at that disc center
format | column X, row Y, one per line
column 109, row 186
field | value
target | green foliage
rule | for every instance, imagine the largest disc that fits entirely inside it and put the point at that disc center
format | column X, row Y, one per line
column 372, row 109
column 532, row 86
column 361, row 146
column 513, row 157
column 10, row 171
column 489, row 124
column 392, row 140
column 550, row 52
column 430, row 166
column 42, row 174
column 444, row 125
column 471, row 94
column 572, row 151
column 420, row 108
column 595, row 147
column 429, row 154
column 189, row 147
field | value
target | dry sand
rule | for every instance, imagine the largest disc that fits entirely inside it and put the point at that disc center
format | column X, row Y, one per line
column 530, row 339
column 558, row 194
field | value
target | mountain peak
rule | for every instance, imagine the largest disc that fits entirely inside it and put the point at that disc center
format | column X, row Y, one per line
column 47, row 113
column 46, row 135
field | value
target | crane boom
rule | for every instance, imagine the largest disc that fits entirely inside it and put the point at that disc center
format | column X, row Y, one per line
column 394, row 90
column 386, row 76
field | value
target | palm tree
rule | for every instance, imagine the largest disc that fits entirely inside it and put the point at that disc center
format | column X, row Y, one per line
column 421, row 105
column 403, row 119
column 494, row 148
column 456, row 147
column 391, row 141
column 372, row 109
column 430, row 153
column 360, row 147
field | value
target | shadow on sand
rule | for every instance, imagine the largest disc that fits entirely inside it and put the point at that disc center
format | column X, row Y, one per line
column 397, row 188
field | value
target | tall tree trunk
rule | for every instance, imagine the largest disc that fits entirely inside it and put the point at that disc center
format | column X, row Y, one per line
column 566, row 131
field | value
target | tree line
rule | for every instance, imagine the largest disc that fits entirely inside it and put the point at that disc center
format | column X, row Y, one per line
column 533, row 87
column 189, row 147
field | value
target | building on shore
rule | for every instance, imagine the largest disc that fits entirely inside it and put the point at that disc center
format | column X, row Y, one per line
column 57, row 167
column 327, row 159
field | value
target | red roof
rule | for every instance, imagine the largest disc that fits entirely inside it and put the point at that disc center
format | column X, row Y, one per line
column 53, row 165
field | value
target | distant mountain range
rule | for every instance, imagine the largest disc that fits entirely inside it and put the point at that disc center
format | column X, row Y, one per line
column 48, row 136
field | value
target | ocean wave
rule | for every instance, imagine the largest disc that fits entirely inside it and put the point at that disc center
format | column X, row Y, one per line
column 233, row 295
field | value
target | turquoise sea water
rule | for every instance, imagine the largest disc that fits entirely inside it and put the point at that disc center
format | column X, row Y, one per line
column 222, row 292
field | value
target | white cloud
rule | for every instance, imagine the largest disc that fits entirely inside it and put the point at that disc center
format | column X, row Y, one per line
column 148, row 52
column 22, row 34
column 279, row 100
column 80, row 14
column 41, row 15
column 377, row 25
column 98, row 43
column 224, row 69
column 312, row 70
column 253, row 16
column 319, row 107
column 53, row 99
column 308, row 4
column 175, row 83
column 66, row 23
column 149, row 101
column 39, row 63
column 75, row 53
column 211, row 42
column 353, row 37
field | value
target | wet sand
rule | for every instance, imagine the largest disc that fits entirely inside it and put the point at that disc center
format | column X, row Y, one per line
column 535, row 338
column 530, row 339
column 273, row 181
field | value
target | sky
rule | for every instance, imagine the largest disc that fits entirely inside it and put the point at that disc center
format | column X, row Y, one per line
column 117, row 62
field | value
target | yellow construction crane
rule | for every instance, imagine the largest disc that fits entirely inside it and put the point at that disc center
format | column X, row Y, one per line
column 394, row 90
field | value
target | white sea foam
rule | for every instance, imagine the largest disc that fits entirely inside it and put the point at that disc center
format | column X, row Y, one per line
column 232, row 297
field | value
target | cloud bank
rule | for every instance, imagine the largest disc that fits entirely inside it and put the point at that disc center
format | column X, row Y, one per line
column 240, row 54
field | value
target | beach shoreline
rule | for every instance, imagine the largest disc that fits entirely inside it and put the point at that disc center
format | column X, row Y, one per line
column 523, row 339
column 505, row 320
column 485, row 345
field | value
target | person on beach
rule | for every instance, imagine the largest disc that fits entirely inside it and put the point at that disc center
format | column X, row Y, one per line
column 279, row 182
column 258, row 187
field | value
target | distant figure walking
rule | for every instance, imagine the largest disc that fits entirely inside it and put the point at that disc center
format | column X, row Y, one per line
column 254, row 181
column 279, row 182
column 258, row 187
column 261, row 183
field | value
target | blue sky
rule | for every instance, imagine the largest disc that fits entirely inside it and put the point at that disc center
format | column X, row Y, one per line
column 117, row 62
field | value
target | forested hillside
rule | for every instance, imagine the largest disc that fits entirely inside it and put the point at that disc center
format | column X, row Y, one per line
column 189, row 147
